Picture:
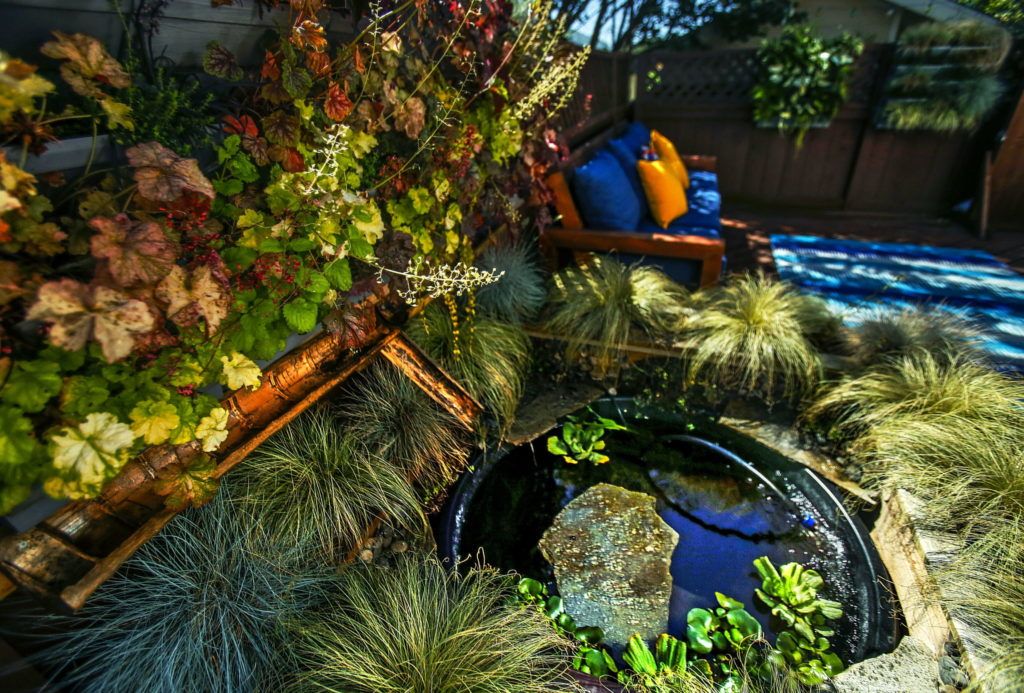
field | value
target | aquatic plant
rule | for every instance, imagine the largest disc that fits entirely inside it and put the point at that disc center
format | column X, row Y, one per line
column 581, row 438
column 791, row 592
column 201, row 607
column 488, row 358
column 906, row 391
column 520, row 293
column 419, row 626
column 314, row 485
column 754, row 336
column 400, row 424
column 599, row 307
column 892, row 334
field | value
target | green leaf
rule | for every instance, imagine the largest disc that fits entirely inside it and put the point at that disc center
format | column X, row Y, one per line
column 339, row 274
column 746, row 624
column 31, row 384
column 555, row 446
column 18, row 446
column 239, row 259
column 639, row 657
column 591, row 635
column 530, row 588
column 554, row 606
column 300, row 315
column 728, row 602
column 296, row 80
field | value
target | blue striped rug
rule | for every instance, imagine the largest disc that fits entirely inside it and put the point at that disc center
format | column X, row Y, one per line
column 859, row 279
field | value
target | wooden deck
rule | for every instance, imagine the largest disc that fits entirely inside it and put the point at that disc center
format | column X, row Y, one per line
column 747, row 234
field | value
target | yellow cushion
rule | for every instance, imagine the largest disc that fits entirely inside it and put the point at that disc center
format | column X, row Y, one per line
column 665, row 195
column 564, row 204
column 667, row 153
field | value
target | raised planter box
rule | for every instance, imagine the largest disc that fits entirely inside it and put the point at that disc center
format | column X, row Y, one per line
column 184, row 31
column 70, row 154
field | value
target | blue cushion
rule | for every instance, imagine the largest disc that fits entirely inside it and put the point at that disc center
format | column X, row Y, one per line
column 677, row 228
column 703, row 180
column 701, row 219
column 620, row 149
column 604, row 195
column 637, row 136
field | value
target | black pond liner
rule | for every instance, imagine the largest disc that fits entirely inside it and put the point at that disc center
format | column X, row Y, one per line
column 730, row 498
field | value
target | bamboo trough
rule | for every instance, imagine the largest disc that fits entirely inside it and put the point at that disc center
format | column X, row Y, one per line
column 65, row 558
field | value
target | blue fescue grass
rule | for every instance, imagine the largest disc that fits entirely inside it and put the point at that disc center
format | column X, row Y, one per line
column 201, row 607
column 520, row 293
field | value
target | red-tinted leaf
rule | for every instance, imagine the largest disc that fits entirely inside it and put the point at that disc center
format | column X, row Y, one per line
column 163, row 176
column 318, row 63
column 309, row 34
column 242, row 125
column 293, row 161
column 271, row 69
column 136, row 252
column 337, row 105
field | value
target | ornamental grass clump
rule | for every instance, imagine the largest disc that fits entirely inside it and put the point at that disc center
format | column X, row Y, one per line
column 315, row 485
column 755, row 336
column 201, row 607
column 919, row 388
column 599, row 308
column 419, row 626
column 887, row 334
column 487, row 357
column 400, row 424
column 520, row 292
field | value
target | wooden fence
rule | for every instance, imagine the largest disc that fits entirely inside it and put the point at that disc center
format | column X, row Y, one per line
column 701, row 100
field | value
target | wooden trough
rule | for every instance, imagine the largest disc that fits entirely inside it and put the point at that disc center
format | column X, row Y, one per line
column 65, row 558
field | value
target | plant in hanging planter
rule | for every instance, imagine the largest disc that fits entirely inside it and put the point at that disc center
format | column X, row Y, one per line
column 520, row 291
column 945, row 77
column 804, row 79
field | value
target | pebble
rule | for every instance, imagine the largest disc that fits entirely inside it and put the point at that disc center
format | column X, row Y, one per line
column 366, row 556
column 946, row 688
column 951, row 674
column 400, row 546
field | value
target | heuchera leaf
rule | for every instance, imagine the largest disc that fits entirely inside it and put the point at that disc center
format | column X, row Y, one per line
column 195, row 485
column 410, row 116
column 300, row 315
column 213, row 429
column 240, row 371
column 136, row 252
column 195, row 295
column 87, row 64
column 337, row 106
column 94, row 451
column 163, row 176
column 221, row 62
column 77, row 313
column 31, row 384
column 154, row 421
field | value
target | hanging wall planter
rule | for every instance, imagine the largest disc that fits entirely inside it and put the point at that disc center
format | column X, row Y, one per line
column 945, row 78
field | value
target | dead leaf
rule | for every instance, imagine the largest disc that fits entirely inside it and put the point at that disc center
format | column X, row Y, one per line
column 88, row 65
column 195, row 295
column 163, row 176
column 77, row 313
column 194, row 485
column 136, row 252
column 410, row 116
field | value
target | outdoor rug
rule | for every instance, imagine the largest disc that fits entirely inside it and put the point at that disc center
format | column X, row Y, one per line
column 859, row 279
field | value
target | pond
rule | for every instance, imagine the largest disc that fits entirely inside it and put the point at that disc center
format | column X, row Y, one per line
column 729, row 499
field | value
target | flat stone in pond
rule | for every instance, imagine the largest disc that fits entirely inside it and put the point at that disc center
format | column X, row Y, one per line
column 612, row 553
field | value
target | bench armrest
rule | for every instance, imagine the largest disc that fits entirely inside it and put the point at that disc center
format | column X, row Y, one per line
column 700, row 162
column 708, row 251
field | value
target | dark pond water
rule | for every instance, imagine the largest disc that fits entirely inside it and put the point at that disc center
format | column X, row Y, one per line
column 727, row 513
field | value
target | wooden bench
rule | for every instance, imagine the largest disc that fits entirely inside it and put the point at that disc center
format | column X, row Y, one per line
column 561, row 246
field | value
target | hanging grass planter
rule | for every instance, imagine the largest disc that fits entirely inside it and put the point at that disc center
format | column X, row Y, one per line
column 945, row 77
